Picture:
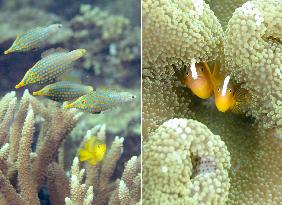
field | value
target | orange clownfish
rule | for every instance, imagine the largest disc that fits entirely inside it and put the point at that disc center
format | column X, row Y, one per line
column 227, row 96
column 198, row 79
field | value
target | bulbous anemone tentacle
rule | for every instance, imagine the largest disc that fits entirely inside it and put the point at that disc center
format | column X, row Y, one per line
column 184, row 163
column 253, row 55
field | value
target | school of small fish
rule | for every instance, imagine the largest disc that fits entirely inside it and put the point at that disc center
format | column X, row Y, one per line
column 51, row 69
column 204, row 83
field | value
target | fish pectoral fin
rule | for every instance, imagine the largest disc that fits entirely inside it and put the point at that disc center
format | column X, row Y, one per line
column 71, row 76
column 84, row 155
column 93, row 161
column 243, row 96
column 53, row 51
column 237, row 108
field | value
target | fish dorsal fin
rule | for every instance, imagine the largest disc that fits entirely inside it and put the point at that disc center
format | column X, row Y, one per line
column 108, row 90
column 90, row 142
column 52, row 51
column 71, row 77
column 208, row 69
column 216, row 77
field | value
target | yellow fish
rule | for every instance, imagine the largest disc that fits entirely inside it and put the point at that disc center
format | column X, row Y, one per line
column 198, row 79
column 228, row 96
column 93, row 151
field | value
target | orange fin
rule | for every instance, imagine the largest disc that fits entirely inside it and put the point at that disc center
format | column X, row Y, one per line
column 237, row 108
column 242, row 99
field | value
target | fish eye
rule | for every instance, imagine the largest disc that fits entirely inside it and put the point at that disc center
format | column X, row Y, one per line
column 202, row 69
column 230, row 90
column 218, row 89
column 83, row 102
column 187, row 73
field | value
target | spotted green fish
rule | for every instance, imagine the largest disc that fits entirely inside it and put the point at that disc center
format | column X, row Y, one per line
column 64, row 91
column 53, row 64
column 33, row 38
column 100, row 100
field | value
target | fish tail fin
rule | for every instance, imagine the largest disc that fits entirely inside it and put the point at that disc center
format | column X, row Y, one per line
column 68, row 105
column 8, row 51
column 242, row 100
column 84, row 155
column 19, row 85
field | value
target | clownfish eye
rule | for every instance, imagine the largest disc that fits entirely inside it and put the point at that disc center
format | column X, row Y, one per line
column 218, row 89
column 187, row 73
column 202, row 69
column 230, row 90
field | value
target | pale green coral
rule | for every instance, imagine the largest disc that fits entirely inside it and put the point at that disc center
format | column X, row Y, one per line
column 177, row 31
column 32, row 18
column 255, row 173
column 224, row 9
column 114, row 47
column 253, row 55
column 170, row 173
column 161, row 101
column 256, row 165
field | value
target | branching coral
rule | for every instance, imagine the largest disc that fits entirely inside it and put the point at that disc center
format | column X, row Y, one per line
column 115, row 44
column 25, row 170
column 253, row 54
column 29, row 167
column 169, row 157
column 129, row 188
